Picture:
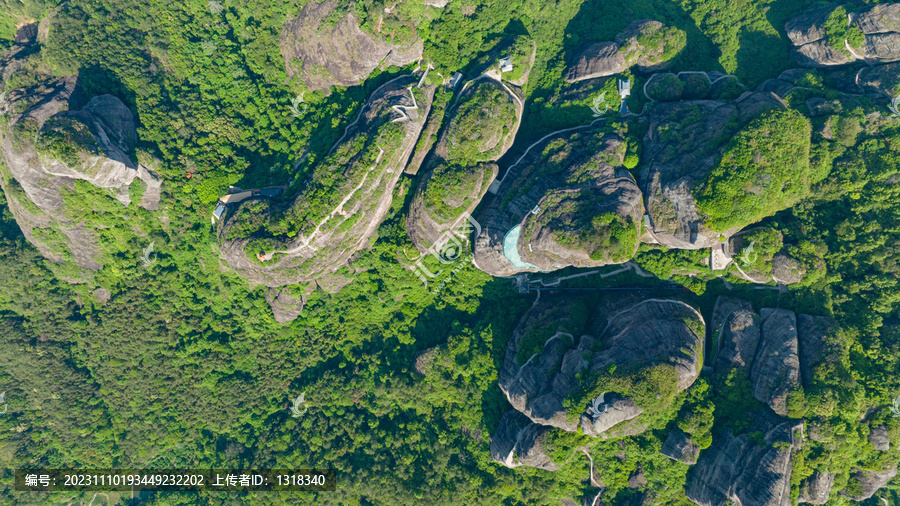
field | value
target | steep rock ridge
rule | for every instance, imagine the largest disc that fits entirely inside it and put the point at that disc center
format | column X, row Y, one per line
column 483, row 126
column 736, row 330
column 678, row 446
column 634, row 336
column 644, row 43
column 740, row 470
column 339, row 205
column 324, row 54
column 47, row 148
column 586, row 165
column 519, row 442
column 684, row 143
column 776, row 370
column 816, row 489
column 826, row 35
column 864, row 482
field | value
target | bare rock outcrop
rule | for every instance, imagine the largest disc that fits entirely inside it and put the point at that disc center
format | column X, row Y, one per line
column 864, row 482
column 678, row 446
column 776, row 371
column 683, row 144
column 879, row 438
column 324, row 54
column 633, row 335
column 47, row 148
column 646, row 44
column 482, row 128
column 285, row 306
column 744, row 470
column 826, row 35
column 308, row 237
column 816, row 489
column 519, row 442
column 736, row 329
column 567, row 201
column 880, row 80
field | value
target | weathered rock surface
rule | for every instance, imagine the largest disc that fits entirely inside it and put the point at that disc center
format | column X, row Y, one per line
column 285, row 306
column 684, row 142
column 816, row 489
column 882, row 80
column 461, row 169
column 519, row 442
column 879, row 438
column 736, row 329
column 776, row 371
column 598, row 59
column 644, row 43
column 347, row 209
column 586, row 160
column 678, row 446
column 47, row 147
column 879, row 24
column 864, row 483
column 633, row 334
column 739, row 470
column 327, row 54
column 809, row 26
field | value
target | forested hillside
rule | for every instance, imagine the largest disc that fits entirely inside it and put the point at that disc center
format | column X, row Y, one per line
column 133, row 336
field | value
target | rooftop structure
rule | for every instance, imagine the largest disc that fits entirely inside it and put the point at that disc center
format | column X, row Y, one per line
column 506, row 64
column 455, row 80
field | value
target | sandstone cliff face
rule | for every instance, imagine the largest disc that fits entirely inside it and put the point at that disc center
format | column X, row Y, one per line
column 482, row 127
column 736, row 330
column 646, row 44
column 873, row 35
column 816, row 489
column 633, row 334
column 739, row 470
column 324, row 54
column 519, row 442
column 581, row 176
column 684, row 142
column 864, row 483
column 678, row 446
column 331, row 217
column 776, row 371
column 46, row 148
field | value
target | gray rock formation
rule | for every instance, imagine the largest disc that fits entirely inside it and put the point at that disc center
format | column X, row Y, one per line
column 324, row 54
column 776, row 370
column 346, row 211
column 864, row 483
column 461, row 169
column 519, row 442
column 879, row 439
column 880, row 80
column 598, row 59
column 879, row 27
column 684, row 142
column 736, row 330
column 744, row 471
column 816, row 489
column 47, row 147
column 516, row 229
column 285, row 306
column 644, row 43
column 634, row 334
column 616, row 411
column 678, row 446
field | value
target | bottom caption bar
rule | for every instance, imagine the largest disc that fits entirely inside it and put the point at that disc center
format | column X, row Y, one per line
column 176, row 480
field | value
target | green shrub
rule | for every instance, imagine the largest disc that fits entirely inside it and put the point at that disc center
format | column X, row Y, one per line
column 764, row 169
